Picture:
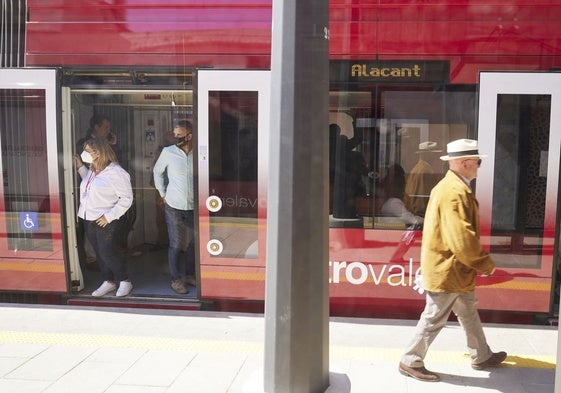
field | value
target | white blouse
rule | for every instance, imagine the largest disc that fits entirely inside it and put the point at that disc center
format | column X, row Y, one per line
column 106, row 193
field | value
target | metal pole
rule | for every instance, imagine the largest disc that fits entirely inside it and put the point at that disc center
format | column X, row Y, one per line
column 297, row 298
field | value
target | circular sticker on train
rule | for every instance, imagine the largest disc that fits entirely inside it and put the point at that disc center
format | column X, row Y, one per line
column 214, row 247
column 213, row 203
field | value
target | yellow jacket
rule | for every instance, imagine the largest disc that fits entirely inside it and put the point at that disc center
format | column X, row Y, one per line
column 451, row 251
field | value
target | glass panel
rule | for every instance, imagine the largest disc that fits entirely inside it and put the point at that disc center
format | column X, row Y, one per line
column 519, row 184
column 26, row 199
column 233, row 172
column 385, row 148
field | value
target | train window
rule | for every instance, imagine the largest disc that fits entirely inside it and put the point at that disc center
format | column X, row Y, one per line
column 385, row 148
column 25, row 190
column 233, row 171
column 520, row 179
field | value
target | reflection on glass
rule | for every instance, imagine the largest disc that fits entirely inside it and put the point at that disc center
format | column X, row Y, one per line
column 519, row 185
column 233, row 171
column 25, row 190
column 385, row 149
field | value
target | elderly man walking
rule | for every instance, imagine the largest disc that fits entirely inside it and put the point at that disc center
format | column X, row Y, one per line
column 451, row 255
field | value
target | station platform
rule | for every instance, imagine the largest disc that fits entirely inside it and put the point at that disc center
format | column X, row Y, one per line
column 59, row 349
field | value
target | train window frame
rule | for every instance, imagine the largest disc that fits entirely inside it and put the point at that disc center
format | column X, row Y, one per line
column 376, row 119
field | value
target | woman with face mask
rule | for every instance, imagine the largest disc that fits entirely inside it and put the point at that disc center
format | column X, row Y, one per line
column 105, row 196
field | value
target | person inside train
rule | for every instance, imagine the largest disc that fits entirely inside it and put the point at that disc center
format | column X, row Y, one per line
column 346, row 171
column 176, row 164
column 105, row 196
column 99, row 127
column 393, row 186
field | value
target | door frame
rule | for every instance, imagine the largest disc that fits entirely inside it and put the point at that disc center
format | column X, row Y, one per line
column 36, row 270
column 491, row 84
column 209, row 80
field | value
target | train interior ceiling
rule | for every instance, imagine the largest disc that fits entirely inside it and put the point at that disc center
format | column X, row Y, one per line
column 142, row 123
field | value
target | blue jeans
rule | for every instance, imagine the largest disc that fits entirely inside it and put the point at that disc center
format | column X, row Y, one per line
column 103, row 241
column 181, row 252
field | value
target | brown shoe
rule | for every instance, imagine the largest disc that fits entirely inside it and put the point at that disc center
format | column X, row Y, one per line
column 179, row 287
column 496, row 359
column 420, row 373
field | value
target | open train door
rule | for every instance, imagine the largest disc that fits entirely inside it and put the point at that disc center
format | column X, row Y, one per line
column 517, row 186
column 31, row 238
column 232, row 129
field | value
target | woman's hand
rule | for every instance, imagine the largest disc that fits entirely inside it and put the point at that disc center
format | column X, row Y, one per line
column 78, row 161
column 102, row 221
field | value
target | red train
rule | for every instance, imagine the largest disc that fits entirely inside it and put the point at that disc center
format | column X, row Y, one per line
column 406, row 78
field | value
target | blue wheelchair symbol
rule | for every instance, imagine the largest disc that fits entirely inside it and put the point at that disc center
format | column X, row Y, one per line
column 29, row 221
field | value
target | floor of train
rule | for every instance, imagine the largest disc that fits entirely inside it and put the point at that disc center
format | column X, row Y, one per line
column 148, row 271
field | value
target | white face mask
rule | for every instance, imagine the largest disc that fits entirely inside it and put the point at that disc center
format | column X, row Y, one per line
column 86, row 157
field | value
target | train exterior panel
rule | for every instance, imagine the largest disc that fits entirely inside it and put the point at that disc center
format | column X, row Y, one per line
column 403, row 76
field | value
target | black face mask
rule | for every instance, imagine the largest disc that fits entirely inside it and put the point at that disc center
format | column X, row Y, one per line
column 182, row 141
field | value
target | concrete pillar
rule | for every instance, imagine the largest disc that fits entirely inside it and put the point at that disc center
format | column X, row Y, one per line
column 297, row 298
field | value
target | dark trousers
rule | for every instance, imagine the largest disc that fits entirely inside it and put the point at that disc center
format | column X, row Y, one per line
column 104, row 241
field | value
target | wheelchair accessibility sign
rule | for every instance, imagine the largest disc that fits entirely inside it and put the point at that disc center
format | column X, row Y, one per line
column 29, row 221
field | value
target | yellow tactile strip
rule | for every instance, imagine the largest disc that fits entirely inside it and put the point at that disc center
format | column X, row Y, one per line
column 256, row 348
column 145, row 342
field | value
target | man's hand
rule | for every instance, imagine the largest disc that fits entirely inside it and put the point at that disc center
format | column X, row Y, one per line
column 419, row 284
column 490, row 274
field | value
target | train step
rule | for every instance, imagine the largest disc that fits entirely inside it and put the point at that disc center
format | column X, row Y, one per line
column 137, row 302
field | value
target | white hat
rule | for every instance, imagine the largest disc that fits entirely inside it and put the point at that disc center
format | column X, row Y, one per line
column 461, row 148
column 428, row 147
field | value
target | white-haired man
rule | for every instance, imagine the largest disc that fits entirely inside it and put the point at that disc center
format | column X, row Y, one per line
column 451, row 255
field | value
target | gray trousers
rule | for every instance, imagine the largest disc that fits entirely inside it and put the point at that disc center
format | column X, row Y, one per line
column 433, row 319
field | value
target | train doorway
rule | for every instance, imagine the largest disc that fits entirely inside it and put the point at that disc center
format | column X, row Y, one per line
column 230, row 114
column 517, row 185
column 140, row 123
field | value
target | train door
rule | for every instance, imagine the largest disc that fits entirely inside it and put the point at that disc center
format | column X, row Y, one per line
column 31, row 239
column 517, row 185
column 233, row 126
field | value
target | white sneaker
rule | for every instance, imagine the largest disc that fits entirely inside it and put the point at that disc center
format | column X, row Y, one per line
column 125, row 287
column 104, row 289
